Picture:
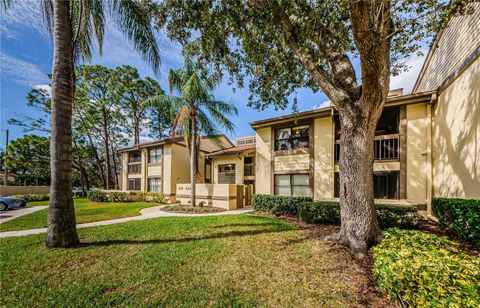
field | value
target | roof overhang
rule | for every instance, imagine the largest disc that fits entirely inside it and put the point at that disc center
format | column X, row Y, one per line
column 424, row 97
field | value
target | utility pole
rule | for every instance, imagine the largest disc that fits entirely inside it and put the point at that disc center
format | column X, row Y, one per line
column 5, row 181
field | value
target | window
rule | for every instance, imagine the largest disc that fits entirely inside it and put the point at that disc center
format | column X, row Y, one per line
column 249, row 166
column 386, row 185
column 134, row 157
column 134, row 184
column 241, row 142
column 226, row 174
column 155, row 156
column 292, row 138
column 292, row 185
column 250, row 141
column 155, row 184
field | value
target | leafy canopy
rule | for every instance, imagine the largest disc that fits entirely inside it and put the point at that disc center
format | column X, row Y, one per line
column 282, row 46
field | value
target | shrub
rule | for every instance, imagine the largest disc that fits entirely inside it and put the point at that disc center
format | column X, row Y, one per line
column 425, row 270
column 151, row 197
column 118, row 196
column 278, row 205
column 328, row 212
column 460, row 215
column 33, row 197
column 97, row 195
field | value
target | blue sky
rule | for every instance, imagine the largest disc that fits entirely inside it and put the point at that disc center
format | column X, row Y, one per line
column 26, row 58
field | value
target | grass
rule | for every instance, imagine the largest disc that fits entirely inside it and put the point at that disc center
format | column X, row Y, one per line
column 230, row 260
column 85, row 211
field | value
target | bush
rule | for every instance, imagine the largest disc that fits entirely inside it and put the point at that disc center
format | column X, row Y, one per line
column 151, row 197
column 97, row 195
column 118, row 196
column 425, row 270
column 33, row 197
column 328, row 212
column 278, row 205
column 460, row 215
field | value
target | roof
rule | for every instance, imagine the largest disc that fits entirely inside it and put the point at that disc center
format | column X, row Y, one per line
column 415, row 98
column 176, row 140
column 233, row 150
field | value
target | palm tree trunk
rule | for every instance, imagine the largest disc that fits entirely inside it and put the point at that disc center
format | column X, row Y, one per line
column 106, row 138
column 193, row 158
column 62, row 230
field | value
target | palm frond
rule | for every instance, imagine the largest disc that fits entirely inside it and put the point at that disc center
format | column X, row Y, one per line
column 6, row 4
column 135, row 24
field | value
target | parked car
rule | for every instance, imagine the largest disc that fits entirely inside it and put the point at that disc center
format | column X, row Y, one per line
column 7, row 203
column 79, row 192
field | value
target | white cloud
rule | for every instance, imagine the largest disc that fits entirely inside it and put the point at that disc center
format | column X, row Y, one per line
column 22, row 14
column 406, row 80
column 21, row 72
column 321, row 105
column 45, row 87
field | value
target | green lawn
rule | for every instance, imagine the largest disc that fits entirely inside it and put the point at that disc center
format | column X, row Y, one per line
column 221, row 261
column 85, row 210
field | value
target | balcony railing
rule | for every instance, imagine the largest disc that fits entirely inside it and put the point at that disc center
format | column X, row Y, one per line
column 134, row 168
column 385, row 147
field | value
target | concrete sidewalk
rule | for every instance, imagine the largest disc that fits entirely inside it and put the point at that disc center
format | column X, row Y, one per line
column 147, row 213
column 18, row 212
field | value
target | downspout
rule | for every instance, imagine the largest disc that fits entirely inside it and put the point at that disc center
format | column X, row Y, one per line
column 429, row 155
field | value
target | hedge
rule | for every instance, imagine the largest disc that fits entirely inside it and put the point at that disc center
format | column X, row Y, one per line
column 33, row 197
column 278, row 205
column 328, row 212
column 462, row 216
column 419, row 269
column 97, row 195
column 118, row 196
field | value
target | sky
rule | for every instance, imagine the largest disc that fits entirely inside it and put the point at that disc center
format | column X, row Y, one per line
column 26, row 54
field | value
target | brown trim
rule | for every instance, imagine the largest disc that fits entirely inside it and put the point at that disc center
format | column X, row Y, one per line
column 403, row 152
column 311, row 147
column 220, row 198
column 292, row 152
column 295, row 171
column 414, row 98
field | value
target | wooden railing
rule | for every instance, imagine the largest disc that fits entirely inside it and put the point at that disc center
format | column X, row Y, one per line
column 385, row 147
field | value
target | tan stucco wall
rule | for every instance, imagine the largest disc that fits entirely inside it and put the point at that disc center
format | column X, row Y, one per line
column 208, row 145
column 416, row 175
column 263, row 167
column 124, row 180
column 455, row 44
column 233, row 159
column 456, row 135
column 323, row 158
column 291, row 163
column 167, row 170
column 218, row 195
column 154, row 170
column 180, row 166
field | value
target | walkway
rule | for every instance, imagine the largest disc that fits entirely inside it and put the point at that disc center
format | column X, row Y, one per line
column 21, row 211
column 147, row 213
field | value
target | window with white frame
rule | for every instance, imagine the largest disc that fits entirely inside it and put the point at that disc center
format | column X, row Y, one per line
column 155, row 156
column 155, row 184
column 292, row 184
column 134, row 184
column 226, row 174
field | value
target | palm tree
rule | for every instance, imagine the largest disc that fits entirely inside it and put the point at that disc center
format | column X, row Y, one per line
column 194, row 104
column 74, row 23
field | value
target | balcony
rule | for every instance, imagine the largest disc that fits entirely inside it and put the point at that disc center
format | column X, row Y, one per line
column 386, row 148
column 134, row 168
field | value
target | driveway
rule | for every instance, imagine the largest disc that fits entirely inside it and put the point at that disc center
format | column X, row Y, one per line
column 15, row 213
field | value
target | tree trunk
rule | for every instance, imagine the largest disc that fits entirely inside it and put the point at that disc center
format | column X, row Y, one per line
column 359, row 225
column 98, row 161
column 193, row 158
column 62, row 230
column 107, row 149
column 136, row 130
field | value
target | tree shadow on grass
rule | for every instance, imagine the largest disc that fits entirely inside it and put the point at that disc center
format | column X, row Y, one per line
column 182, row 239
column 248, row 225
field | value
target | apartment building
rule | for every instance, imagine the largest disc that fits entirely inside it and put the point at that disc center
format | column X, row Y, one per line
column 427, row 143
column 159, row 166
column 235, row 165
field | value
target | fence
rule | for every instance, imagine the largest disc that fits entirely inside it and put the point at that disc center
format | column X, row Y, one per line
column 21, row 190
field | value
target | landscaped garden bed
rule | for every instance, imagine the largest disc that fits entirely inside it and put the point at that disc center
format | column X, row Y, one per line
column 191, row 209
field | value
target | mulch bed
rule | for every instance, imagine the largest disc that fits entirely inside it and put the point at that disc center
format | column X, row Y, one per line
column 186, row 209
column 369, row 295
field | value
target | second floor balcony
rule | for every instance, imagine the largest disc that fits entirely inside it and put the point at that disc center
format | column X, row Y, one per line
column 385, row 148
